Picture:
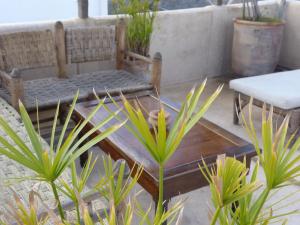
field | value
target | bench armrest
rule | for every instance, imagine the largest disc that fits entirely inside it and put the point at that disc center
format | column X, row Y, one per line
column 5, row 79
column 13, row 83
column 138, row 57
column 123, row 55
column 155, row 63
column 156, row 71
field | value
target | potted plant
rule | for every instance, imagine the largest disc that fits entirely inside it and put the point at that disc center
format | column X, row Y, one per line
column 256, row 41
column 139, row 26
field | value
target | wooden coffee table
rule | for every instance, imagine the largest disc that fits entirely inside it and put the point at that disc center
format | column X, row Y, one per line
column 206, row 140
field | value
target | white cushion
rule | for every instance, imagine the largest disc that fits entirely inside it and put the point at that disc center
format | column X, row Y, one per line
column 278, row 89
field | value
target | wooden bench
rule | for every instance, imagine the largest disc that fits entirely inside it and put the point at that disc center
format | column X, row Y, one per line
column 21, row 52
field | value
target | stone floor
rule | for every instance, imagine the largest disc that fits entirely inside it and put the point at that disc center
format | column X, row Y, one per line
column 196, row 203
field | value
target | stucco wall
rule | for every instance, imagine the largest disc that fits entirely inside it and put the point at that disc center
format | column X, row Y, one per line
column 290, row 52
column 196, row 43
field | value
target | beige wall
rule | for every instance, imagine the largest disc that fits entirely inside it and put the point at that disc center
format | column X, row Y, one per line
column 290, row 52
column 196, row 43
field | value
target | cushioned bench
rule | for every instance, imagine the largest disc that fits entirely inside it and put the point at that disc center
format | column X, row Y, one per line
column 62, row 52
column 281, row 90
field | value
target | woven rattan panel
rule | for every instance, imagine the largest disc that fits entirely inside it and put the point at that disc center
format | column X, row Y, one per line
column 27, row 50
column 90, row 44
column 2, row 65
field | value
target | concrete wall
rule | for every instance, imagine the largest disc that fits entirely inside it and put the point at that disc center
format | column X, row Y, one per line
column 290, row 52
column 195, row 43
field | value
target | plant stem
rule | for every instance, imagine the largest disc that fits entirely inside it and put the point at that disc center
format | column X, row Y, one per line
column 77, row 212
column 60, row 209
column 244, row 9
column 160, row 191
column 215, row 217
column 260, row 201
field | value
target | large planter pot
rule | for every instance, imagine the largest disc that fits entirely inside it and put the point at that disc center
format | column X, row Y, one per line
column 256, row 47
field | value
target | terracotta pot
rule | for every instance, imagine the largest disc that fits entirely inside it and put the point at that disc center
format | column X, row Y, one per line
column 256, row 47
column 153, row 117
column 139, row 67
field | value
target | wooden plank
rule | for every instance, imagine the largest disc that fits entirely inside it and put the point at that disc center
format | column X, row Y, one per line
column 16, row 88
column 60, row 49
column 140, row 57
column 43, row 115
column 121, row 43
column 156, row 71
column 5, row 80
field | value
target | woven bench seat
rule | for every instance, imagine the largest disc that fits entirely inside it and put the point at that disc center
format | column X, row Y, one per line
column 49, row 90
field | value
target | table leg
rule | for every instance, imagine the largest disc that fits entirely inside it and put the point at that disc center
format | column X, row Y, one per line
column 236, row 109
column 83, row 157
column 165, row 207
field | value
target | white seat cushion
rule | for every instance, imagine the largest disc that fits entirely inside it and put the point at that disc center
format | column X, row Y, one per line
column 278, row 89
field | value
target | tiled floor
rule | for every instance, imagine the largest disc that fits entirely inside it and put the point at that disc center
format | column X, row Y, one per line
column 196, row 203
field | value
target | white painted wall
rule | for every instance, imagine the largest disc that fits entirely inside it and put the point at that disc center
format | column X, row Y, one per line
column 290, row 52
column 196, row 43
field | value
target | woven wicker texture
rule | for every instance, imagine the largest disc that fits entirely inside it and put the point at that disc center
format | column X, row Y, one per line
column 90, row 44
column 27, row 50
column 10, row 169
column 49, row 90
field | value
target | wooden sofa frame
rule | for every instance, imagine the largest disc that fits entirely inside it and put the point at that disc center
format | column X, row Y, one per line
column 241, row 100
column 125, row 59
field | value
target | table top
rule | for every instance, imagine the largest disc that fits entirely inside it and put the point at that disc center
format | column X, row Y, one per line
column 205, row 140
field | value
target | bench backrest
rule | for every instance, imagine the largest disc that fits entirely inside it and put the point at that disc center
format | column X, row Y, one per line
column 64, row 45
column 93, row 43
column 25, row 50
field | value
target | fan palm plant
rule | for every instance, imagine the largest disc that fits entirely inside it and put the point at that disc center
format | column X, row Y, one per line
column 78, row 183
column 48, row 163
column 131, row 207
column 280, row 164
column 23, row 214
column 228, row 185
column 160, row 144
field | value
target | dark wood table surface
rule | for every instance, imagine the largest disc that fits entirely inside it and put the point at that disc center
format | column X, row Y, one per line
column 182, row 174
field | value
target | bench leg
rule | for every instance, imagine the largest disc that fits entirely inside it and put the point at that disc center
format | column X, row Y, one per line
column 238, row 105
column 165, row 208
column 84, row 156
column 236, row 108
column 294, row 123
